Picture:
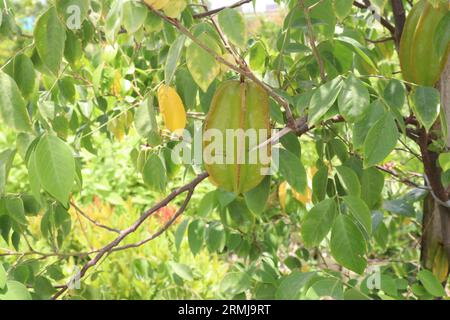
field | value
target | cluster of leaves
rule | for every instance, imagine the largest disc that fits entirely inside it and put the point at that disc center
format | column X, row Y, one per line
column 69, row 86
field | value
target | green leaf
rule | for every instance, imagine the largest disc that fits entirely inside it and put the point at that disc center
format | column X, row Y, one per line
column 186, row 87
column 354, row 100
column 380, row 140
column 444, row 161
column 215, row 237
column 33, row 177
column 233, row 25
column 348, row 245
column 12, row 106
column 73, row 11
column 50, row 37
column 235, row 282
column 361, row 128
column 354, row 294
column 43, row 288
column 201, row 64
column 16, row 210
column 145, row 122
column 225, row 198
column 179, row 234
column 395, row 94
column 182, row 270
column 73, row 50
column 360, row 211
column 256, row 199
column 207, row 204
column 426, row 105
column 431, row 283
column 318, row 222
column 319, row 184
column 372, row 183
column 359, row 50
column 399, row 206
column 258, row 56
column 172, row 58
column 15, row 291
column 24, row 75
column 342, row 8
column 291, row 286
column 3, row 277
column 196, row 236
column 67, row 88
column 6, row 161
column 154, row 173
column 292, row 169
column 323, row 99
column 291, row 143
column 134, row 15
column 55, row 166
column 350, row 180
column 323, row 14
column 326, row 288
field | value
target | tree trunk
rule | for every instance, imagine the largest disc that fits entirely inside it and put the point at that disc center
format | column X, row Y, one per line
column 444, row 87
column 435, row 249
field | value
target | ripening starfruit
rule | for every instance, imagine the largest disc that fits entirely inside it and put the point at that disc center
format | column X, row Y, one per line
column 172, row 109
column 419, row 58
column 236, row 125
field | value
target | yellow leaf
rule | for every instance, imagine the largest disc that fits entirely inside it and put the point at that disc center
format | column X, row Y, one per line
column 282, row 190
column 172, row 109
column 228, row 57
column 157, row 4
column 305, row 197
column 440, row 264
column 175, row 8
column 117, row 86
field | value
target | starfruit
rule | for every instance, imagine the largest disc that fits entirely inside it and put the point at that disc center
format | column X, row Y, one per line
column 172, row 109
column 419, row 58
column 235, row 127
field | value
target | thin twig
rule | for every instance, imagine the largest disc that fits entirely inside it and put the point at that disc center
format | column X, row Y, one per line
column 162, row 229
column 98, row 224
column 384, row 22
column 216, row 11
column 312, row 40
column 227, row 45
column 380, row 40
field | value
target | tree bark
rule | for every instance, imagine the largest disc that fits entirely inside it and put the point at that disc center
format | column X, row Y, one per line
column 444, row 87
column 400, row 19
column 435, row 246
column 431, row 233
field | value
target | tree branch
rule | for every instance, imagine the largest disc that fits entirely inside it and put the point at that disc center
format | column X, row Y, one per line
column 380, row 40
column 215, row 11
column 444, row 85
column 384, row 22
column 399, row 18
column 190, row 187
column 163, row 228
column 312, row 40
column 397, row 176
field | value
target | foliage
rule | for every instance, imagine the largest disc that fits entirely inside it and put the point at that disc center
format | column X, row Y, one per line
column 85, row 152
